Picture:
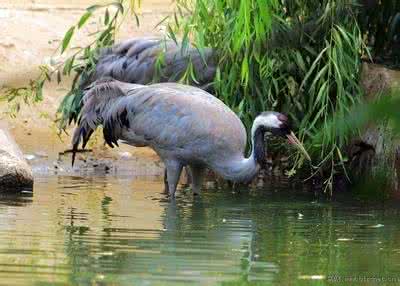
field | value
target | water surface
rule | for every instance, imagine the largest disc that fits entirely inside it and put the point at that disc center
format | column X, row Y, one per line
column 122, row 230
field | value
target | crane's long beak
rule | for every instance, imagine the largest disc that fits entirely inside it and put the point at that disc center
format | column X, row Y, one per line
column 296, row 142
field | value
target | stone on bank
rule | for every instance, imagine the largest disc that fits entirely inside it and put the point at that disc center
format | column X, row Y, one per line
column 15, row 173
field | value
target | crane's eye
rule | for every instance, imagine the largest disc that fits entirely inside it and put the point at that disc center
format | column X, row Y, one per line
column 283, row 118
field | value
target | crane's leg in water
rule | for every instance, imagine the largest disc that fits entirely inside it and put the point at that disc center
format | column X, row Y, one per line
column 166, row 189
column 197, row 174
column 188, row 178
column 174, row 169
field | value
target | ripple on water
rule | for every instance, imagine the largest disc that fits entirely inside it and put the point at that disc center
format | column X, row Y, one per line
column 76, row 230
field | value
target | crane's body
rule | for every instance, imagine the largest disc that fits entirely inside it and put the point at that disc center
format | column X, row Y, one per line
column 185, row 125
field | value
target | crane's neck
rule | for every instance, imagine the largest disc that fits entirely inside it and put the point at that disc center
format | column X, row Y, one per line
column 244, row 169
column 257, row 144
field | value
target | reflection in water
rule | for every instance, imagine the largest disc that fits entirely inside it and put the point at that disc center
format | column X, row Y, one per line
column 109, row 230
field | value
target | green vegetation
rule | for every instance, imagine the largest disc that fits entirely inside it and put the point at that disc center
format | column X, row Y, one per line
column 374, row 178
column 83, row 60
column 299, row 57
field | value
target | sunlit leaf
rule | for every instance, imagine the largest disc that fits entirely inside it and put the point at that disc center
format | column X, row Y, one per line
column 67, row 39
column 106, row 17
column 84, row 19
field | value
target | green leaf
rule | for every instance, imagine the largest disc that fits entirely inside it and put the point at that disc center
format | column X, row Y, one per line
column 176, row 20
column 58, row 76
column 185, row 43
column 300, row 61
column 137, row 19
column 314, row 65
column 68, row 65
column 322, row 92
column 67, row 39
column 162, row 21
column 105, row 34
column 106, row 17
column 93, row 8
column 133, row 4
column 172, row 34
column 39, row 91
column 245, row 71
column 84, row 19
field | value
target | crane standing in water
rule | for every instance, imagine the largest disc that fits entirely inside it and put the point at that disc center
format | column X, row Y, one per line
column 184, row 125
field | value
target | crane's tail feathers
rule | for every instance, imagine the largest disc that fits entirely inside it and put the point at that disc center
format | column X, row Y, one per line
column 117, row 120
column 112, row 130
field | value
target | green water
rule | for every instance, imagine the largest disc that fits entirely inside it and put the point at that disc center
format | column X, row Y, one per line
column 110, row 230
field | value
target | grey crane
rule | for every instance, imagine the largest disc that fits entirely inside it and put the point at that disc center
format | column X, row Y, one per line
column 184, row 125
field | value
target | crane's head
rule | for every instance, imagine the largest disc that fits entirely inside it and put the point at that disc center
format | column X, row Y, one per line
column 278, row 124
column 274, row 122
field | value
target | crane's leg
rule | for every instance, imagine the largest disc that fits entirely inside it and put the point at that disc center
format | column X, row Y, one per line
column 174, row 169
column 197, row 174
column 188, row 179
column 166, row 189
column 188, row 176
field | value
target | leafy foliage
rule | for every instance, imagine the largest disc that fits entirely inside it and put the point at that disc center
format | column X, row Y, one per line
column 299, row 57
column 32, row 93
column 380, row 177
